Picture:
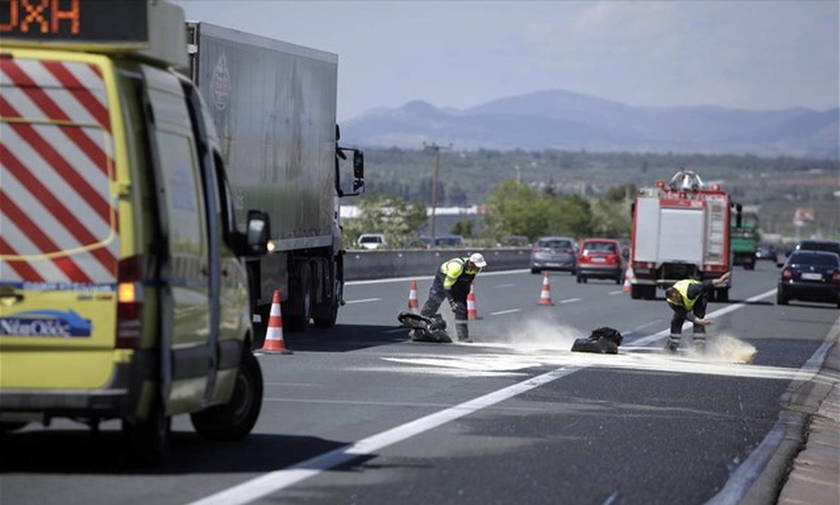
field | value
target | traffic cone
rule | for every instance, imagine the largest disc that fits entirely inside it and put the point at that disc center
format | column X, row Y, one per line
column 472, row 313
column 545, row 294
column 273, row 342
column 628, row 276
column 413, row 306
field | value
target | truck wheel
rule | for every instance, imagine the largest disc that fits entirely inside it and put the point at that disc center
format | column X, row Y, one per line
column 635, row 291
column 781, row 299
column 148, row 439
column 235, row 419
column 326, row 313
column 300, row 301
column 650, row 292
column 535, row 270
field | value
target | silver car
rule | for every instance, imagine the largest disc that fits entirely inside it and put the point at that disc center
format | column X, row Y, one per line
column 554, row 253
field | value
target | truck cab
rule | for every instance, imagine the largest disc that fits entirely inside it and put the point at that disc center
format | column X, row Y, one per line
column 117, row 237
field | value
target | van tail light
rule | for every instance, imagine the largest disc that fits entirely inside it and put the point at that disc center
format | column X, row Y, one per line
column 835, row 277
column 129, row 302
column 787, row 274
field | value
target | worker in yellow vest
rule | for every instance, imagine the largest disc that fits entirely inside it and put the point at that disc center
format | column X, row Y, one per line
column 452, row 282
column 687, row 298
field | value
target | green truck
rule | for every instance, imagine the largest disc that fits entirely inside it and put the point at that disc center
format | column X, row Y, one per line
column 744, row 237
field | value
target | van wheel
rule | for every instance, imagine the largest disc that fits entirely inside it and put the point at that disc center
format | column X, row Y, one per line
column 9, row 427
column 148, row 440
column 235, row 419
column 300, row 301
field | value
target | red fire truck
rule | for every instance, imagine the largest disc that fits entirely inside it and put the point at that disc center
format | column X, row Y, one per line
column 680, row 231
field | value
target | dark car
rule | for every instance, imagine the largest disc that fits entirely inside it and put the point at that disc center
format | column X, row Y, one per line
column 554, row 253
column 819, row 245
column 599, row 258
column 812, row 276
column 767, row 252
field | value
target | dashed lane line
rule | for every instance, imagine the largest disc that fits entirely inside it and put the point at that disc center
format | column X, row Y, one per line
column 508, row 311
column 363, row 300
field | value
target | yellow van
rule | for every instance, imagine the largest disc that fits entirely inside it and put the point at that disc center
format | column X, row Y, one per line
column 122, row 288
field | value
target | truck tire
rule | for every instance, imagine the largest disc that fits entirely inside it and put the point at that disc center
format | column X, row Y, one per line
column 650, row 292
column 781, row 298
column 325, row 314
column 148, row 440
column 300, row 300
column 235, row 419
column 635, row 291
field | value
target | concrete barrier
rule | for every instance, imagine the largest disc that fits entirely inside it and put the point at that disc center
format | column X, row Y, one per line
column 360, row 265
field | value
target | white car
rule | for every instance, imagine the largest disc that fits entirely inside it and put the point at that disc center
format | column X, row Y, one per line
column 371, row 240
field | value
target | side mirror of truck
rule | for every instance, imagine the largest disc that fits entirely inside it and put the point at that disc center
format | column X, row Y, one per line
column 259, row 231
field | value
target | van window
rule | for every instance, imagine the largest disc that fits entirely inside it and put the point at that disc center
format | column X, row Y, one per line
column 179, row 169
column 57, row 214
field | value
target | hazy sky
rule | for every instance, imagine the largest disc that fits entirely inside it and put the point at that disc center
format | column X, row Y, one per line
column 755, row 54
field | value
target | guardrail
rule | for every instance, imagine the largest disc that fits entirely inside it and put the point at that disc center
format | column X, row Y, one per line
column 380, row 264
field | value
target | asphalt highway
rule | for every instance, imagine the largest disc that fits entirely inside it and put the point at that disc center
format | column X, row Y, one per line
column 359, row 414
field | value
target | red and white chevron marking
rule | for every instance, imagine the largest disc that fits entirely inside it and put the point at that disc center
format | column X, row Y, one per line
column 58, row 217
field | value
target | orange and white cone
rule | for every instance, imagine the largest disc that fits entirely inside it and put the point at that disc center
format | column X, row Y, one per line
column 472, row 313
column 628, row 276
column 545, row 293
column 413, row 305
column 274, row 333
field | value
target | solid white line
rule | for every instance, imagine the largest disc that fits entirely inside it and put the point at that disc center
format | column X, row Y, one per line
column 617, row 292
column 570, row 300
column 726, row 310
column 508, row 311
column 429, row 277
column 281, row 479
column 744, row 476
column 363, row 300
column 504, row 285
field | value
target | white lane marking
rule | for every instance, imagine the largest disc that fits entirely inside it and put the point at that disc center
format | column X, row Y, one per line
column 617, row 292
column 508, row 311
column 280, row 479
column 570, row 300
column 363, row 300
column 419, row 405
column 744, row 476
column 395, row 330
column 611, row 498
column 643, row 326
column 300, row 384
column 726, row 310
column 429, row 277
column 505, row 286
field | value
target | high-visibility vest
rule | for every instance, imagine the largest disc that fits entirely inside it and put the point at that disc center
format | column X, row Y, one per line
column 682, row 288
column 454, row 270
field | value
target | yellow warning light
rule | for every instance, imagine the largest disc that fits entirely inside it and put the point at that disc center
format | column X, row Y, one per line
column 126, row 293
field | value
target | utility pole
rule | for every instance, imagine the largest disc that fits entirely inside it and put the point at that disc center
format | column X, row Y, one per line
column 436, row 148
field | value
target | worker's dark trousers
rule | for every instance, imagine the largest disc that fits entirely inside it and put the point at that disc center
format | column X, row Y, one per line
column 699, row 332
column 459, row 305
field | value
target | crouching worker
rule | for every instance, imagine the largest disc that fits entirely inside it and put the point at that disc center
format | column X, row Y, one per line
column 688, row 298
column 452, row 282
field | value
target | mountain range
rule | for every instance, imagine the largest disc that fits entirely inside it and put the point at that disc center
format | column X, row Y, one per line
column 559, row 119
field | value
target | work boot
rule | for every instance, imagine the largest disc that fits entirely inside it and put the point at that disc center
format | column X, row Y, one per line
column 462, row 332
column 672, row 343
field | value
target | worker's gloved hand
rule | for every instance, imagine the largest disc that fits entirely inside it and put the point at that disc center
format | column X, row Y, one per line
column 702, row 321
column 459, row 308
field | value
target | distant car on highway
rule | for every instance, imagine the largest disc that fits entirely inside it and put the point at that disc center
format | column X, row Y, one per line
column 554, row 253
column 599, row 258
column 449, row 241
column 371, row 240
column 810, row 275
column 767, row 251
column 819, row 245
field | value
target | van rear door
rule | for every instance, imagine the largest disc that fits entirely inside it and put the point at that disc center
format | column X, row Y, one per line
column 59, row 215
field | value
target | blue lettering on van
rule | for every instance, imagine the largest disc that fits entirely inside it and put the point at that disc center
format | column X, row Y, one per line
column 45, row 323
